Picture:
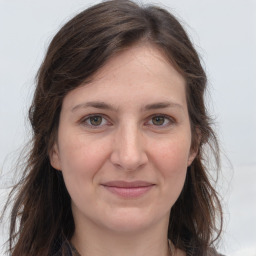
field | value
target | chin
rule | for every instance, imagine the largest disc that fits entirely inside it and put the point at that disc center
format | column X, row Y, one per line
column 129, row 221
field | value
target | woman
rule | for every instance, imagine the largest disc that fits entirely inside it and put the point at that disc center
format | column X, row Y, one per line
column 118, row 160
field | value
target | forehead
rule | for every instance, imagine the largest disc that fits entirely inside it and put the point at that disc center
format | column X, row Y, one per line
column 140, row 73
column 145, row 59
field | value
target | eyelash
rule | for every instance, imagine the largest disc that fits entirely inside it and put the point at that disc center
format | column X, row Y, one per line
column 167, row 118
column 170, row 121
column 87, row 118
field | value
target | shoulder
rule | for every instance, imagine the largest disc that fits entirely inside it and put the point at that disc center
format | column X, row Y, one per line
column 213, row 252
column 64, row 248
column 210, row 252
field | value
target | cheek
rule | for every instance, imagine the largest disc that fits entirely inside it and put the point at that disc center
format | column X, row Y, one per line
column 172, row 156
column 81, row 159
column 170, row 159
column 81, row 162
column 81, row 155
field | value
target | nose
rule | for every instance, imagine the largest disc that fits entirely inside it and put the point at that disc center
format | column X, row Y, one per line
column 129, row 149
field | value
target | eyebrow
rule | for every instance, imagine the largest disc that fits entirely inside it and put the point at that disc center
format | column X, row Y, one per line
column 159, row 105
column 94, row 104
column 103, row 105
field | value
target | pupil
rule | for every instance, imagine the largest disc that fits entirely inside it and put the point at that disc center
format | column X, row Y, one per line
column 158, row 120
column 96, row 120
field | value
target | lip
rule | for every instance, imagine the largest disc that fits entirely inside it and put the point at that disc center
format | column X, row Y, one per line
column 126, row 189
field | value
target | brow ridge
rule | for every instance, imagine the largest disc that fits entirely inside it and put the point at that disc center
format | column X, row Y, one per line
column 94, row 104
column 103, row 105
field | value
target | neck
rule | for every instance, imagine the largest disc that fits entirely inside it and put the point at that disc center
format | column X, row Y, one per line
column 91, row 240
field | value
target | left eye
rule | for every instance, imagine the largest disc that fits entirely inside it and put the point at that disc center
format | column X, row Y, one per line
column 159, row 120
column 95, row 121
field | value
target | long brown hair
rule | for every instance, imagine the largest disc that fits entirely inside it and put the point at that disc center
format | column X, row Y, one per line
column 42, row 211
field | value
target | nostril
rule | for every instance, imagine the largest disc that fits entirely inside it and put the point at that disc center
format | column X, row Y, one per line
column 128, row 150
column 129, row 160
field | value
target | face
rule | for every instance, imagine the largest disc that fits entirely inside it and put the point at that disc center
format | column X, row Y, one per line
column 124, row 142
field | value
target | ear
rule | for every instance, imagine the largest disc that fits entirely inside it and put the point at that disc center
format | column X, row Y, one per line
column 54, row 157
column 194, row 147
column 191, row 157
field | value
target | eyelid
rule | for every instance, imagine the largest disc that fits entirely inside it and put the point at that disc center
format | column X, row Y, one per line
column 85, row 118
column 171, row 120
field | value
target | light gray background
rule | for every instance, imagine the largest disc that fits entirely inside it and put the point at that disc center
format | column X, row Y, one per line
column 224, row 33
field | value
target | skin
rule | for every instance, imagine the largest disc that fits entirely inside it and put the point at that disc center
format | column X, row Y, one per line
column 130, row 137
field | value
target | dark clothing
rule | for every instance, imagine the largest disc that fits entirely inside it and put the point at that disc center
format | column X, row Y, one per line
column 64, row 248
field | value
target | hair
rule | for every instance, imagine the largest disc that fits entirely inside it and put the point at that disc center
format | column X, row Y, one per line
column 41, row 211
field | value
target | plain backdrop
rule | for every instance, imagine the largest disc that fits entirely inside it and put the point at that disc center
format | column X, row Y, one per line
column 224, row 33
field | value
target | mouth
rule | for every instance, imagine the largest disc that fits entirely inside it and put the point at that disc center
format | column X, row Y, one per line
column 126, row 189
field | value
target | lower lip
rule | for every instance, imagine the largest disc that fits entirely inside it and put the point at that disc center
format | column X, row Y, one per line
column 129, row 192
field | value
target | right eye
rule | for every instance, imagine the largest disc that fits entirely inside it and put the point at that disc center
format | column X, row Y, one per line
column 95, row 121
